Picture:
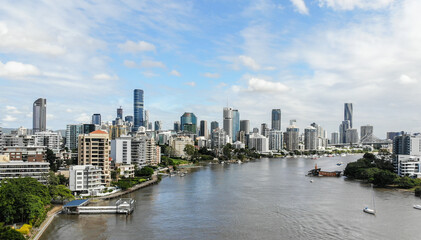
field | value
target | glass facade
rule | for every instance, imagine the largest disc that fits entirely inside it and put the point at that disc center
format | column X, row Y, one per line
column 138, row 108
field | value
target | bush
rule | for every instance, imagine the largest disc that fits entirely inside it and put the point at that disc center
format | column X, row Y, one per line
column 144, row 172
column 9, row 233
column 383, row 178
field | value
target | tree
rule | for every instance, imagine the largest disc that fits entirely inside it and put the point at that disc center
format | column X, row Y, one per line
column 369, row 156
column 227, row 151
column 9, row 233
column 60, row 193
column 51, row 158
column 190, row 150
column 383, row 178
column 144, row 172
column 62, row 180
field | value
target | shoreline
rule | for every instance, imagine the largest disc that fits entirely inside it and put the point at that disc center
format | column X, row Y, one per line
column 129, row 190
column 44, row 225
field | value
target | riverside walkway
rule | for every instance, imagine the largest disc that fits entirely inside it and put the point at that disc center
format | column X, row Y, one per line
column 129, row 190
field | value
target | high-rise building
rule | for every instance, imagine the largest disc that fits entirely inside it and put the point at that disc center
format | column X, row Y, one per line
column 245, row 126
column 214, row 125
column 258, row 142
column 177, row 126
column 276, row 119
column 94, row 149
column 407, row 144
column 120, row 113
column 121, row 150
column 39, row 118
column 72, row 135
column 345, row 125
column 188, row 118
column 218, row 139
column 310, row 138
column 144, row 150
column 146, row 119
column 366, row 130
column 292, row 138
column 227, row 115
column 392, row 135
column 138, row 108
column 235, row 124
column 275, row 140
column 264, row 129
column 348, row 113
column 96, row 119
column 334, row 138
column 88, row 128
column 351, row 136
column 158, row 125
column 128, row 119
column 204, row 128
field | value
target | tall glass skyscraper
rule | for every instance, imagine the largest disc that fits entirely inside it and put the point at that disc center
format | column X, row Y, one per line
column 96, row 119
column 276, row 119
column 138, row 108
column 188, row 118
column 120, row 112
column 348, row 113
column 214, row 125
column 39, row 117
column 235, row 124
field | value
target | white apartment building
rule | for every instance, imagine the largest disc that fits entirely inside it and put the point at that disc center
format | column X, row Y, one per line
column 121, row 150
column 85, row 179
column 258, row 142
column 409, row 165
column 51, row 140
column 275, row 140
column 126, row 170
column 16, row 169
column 179, row 143
column 144, row 150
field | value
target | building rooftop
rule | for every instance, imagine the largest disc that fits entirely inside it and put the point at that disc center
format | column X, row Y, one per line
column 76, row 203
column 98, row 132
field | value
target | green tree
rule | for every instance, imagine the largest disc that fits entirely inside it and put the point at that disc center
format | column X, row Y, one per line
column 60, row 193
column 62, row 180
column 144, row 172
column 190, row 150
column 369, row 156
column 51, row 158
column 383, row 178
column 226, row 151
column 9, row 233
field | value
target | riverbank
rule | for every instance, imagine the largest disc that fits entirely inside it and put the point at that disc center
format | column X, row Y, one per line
column 129, row 190
column 37, row 233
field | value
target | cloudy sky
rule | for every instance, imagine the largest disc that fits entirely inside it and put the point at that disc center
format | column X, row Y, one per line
column 307, row 57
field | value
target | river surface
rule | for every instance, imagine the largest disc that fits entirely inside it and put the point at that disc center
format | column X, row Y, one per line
column 261, row 199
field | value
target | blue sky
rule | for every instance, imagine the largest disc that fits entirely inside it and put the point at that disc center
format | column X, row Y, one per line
column 307, row 57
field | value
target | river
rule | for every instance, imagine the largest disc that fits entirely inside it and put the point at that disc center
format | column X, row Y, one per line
column 261, row 199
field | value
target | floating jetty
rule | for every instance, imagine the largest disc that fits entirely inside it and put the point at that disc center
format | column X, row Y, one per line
column 122, row 206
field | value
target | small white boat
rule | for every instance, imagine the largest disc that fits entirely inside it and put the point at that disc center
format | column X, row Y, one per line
column 239, row 162
column 417, row 207
column 311, row 180
column 369, row 211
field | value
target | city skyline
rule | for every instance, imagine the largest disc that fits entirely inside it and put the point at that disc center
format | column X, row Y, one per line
column 282, row 58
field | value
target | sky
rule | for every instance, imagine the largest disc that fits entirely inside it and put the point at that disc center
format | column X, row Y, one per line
column 306, row 57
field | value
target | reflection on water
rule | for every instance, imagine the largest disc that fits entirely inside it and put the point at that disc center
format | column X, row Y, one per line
column 262, row 199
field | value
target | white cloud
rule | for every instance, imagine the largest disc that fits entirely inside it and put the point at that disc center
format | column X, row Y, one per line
column 175, row 73
column 141, row 46
column 105, row 77
column 69, row 110
column 14, row 69
column 9, row 118
column 352, row 4
column 83, row 118
column 300, row 6
column 152, row 64
column 261, row 85
column 405, row 79
column 190, row 84
column 12, row 110
column 149, row 74
column 249, row 62
column 211, row 75
column 130, row 64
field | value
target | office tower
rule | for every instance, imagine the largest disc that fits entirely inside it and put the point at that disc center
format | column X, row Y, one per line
column 214, row 125
column 292, row 137
column 150, row 126
column 334, row 138
column 227, row 115
column 392, row 135
column 138, row 108
column 276, row 119
column 72, row 135
column 146, row 119
column 120, row 113
column 263, row 129
column 93, row 149
column 96, row 119
column 348, row 113
column 275, row 140
column 310, row 138
column 351, row 136
column 204, row 128
column 177, row 126
column 245, row 126
column 366, row 130
column 158, row 125
column 407, row 144
column 235, row 124
column 88, row 128
column 128, row 119
column 188, row 119
column 39, row 118
column 345, row 125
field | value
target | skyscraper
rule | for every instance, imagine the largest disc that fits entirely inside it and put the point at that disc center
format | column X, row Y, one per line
column 128, row 119
column 245, row 126
column 235, row 124
column 177, row 126
column 366, row 130
column 96, row 119
column 39, row 123
column 204, row 128
column 146, row 119
column 158, row 125
column 138, row 108
column 188, row 118
column 120, row 113
column 227, row 115
column 264, row 129
column 348, row 113
column 276, row 119
column 342, row 131
column 292, row 137
column 214, row 125
column 310, row 138
column 334, row 138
